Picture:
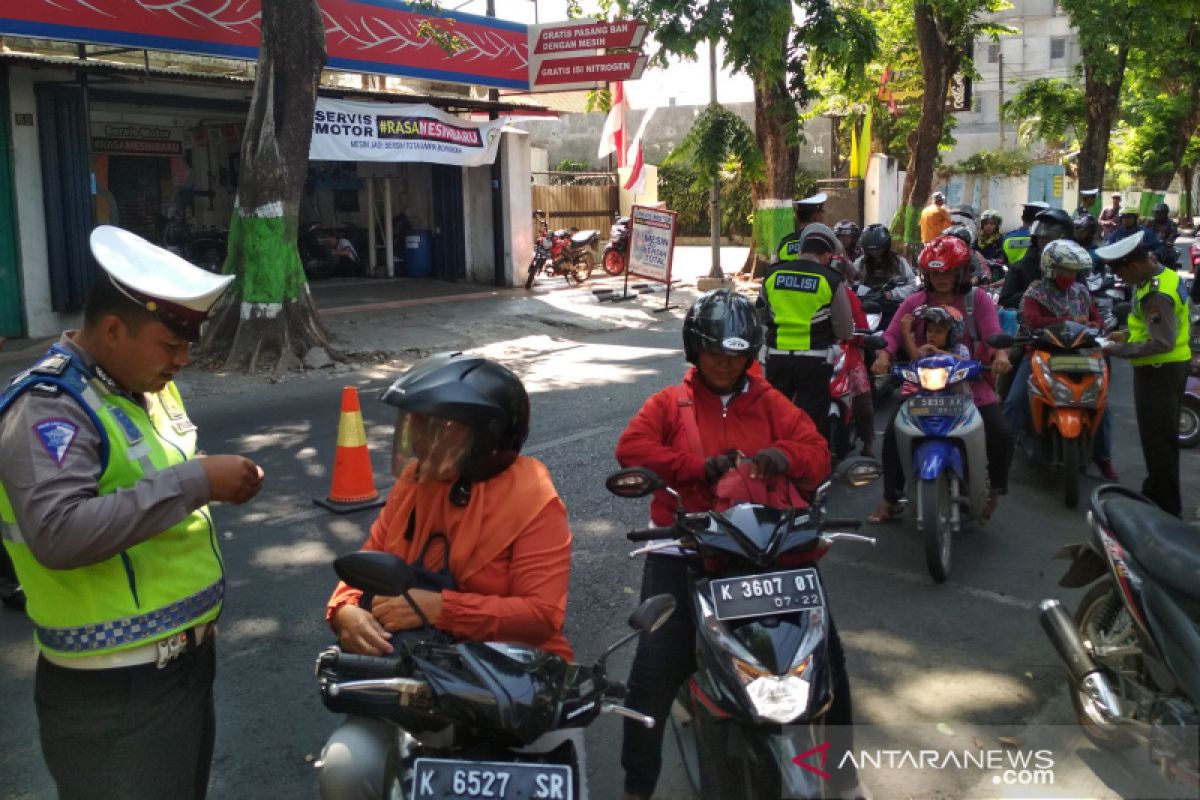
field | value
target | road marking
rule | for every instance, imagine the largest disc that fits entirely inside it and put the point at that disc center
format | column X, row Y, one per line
column 912, row 577
column 574, row 437
column 299, row 516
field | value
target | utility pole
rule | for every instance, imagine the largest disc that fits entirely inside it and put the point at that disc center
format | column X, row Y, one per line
column 1001, row 107
column 716, row 276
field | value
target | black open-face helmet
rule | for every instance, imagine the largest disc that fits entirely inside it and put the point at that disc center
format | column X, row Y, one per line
column 876, row 240
column 1052, row 224
column 459, row 414
column 721, row 321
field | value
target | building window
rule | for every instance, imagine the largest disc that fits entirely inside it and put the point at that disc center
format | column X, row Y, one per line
column 993, row 53
column 1058, row 47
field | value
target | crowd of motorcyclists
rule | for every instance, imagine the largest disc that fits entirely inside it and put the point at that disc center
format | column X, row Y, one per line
column 486, row 534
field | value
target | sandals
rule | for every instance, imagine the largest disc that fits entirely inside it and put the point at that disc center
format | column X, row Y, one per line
column 886, row 512
column 989, row 508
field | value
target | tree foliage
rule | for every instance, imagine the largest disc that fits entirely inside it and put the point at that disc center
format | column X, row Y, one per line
column 717, row 138
column 1050, row 109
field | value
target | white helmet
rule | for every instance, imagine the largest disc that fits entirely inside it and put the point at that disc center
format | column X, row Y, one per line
column 1064, row 255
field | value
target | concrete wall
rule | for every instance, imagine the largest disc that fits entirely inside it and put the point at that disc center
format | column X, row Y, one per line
column 31, row 216
column 881, row 195
column 518, row 206
column 477, row 205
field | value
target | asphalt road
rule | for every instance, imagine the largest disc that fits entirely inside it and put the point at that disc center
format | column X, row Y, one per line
column 964, row 655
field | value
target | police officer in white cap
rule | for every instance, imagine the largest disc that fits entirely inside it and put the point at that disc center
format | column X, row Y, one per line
column 1157, row 345
column 103, row 509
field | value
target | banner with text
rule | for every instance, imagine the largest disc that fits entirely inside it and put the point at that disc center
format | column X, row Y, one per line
column 652, row 242
column 346, row 130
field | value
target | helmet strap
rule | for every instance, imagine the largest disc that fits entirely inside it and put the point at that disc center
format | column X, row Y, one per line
column 460, row 493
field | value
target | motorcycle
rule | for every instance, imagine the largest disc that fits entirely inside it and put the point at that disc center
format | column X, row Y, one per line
column 843, row 431
column 1132, row 650
column 1068, row 392
column 1107, row 291
column 562, row 252
column 207, row 248
column 1189, row 409
column 940, row 439
column 616, row 254
column 474, row 719
column 763, row 682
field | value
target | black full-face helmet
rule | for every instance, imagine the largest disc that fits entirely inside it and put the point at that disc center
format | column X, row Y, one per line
column 721, row 321
column 1052, row 224
column 461, row 410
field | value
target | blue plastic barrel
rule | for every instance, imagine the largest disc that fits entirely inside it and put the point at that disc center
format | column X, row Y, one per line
column 418, row 254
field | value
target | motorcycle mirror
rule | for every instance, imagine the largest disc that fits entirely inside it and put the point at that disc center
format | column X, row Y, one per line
column 652, row 613
column 634, row 482
column 858, row 471
column 376, row 573
column 1000, row 341
column 1121, row 312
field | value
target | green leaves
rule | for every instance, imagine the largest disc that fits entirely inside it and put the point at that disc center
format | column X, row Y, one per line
column 1052, row 109
column 718, row 137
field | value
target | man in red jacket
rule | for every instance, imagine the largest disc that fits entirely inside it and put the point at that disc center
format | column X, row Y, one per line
column 736, row 415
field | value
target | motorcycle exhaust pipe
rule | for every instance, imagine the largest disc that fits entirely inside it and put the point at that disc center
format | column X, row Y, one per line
column 1064, row 635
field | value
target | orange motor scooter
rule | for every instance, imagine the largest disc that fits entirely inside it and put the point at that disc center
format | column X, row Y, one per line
column 1068, row 392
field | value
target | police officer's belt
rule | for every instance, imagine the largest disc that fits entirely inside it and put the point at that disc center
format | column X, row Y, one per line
column 159, row 653
column 823, row 353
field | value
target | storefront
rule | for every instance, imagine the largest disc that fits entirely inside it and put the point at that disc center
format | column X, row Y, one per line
column 160, row 156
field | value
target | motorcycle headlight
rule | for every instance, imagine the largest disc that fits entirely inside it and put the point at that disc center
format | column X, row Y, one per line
column 1063, row 395
column 777, row 698
column 909, row 375
column 1091, row 395
column 933, row 379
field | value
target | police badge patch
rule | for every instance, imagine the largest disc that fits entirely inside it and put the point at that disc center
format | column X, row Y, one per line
column 56, row 436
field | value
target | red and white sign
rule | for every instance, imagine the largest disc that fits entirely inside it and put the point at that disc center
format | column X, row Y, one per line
column 558, row 72
column 571, row 37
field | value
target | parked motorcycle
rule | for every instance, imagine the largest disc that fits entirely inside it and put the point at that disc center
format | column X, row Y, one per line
column 763, row 682
column 207, row 248
column 1068, row 392
column 562, row 252
column 940, row 439
column 616, row 254
column 474, row 719
column 1132, row 650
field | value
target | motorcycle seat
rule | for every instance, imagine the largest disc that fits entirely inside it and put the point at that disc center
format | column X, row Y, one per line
column 583, row 237
column 1167, row 547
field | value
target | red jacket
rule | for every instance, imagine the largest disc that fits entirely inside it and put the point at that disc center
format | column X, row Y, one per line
column 755, row 418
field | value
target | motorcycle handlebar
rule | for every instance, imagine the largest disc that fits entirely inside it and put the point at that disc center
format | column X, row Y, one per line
column 367, row 666
column 846, row 524
column 650, row 534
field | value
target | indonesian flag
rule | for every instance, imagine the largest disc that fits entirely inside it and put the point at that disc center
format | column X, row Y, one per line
column 612, row 138
column 636, row 182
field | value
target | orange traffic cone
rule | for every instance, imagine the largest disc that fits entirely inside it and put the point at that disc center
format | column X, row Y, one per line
column 353, row 487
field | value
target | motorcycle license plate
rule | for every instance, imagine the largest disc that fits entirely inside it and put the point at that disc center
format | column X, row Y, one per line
column 763, row 595
column 937, row 406
column 495, row 780
column 1076, row 364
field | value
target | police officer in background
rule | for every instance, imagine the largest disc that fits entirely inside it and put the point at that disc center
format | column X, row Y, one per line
column 809, row 210
column 1016, row 242
column 805, row 308
column 1087, row 201
column 1049, row 225
column 104, row 509
column 1157, row 346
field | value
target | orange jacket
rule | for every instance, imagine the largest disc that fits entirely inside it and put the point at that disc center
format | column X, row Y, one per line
column 934, row 220
column 510, row 554
column 756, row 418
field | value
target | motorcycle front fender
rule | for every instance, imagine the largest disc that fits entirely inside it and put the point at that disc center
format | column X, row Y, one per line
column 1069, row 422
column 933, row 456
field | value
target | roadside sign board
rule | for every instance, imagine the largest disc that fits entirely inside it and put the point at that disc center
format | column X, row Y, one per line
column 585, row 69
column 573, row 37
column 652, row 243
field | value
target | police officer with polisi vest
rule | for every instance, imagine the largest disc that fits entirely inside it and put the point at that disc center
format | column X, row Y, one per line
column 103, row 509
column 1156, row 343
column 1048, row 225
column 1017, row 241
column 805, row 308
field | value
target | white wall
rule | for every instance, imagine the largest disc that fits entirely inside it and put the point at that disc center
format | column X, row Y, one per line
column 31, row 216
column 477, row 207
column 884, row 181
column 518, row 205
column 626, row 199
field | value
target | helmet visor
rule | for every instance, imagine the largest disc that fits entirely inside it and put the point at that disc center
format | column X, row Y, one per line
column 435, row 448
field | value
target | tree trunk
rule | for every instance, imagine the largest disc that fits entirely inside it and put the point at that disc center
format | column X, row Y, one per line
column 775, row 134
column 1102, row 101
column 1187, row 205
column 267, row 321
column 939, row 60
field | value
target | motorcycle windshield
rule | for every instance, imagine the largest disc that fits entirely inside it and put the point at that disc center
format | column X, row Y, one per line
column 750, row 530
column 512, row 690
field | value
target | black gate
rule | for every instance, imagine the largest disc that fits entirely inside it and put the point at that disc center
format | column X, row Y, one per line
column 449, row 231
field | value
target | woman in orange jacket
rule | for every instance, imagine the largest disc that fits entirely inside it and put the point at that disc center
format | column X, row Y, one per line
column 482, row 525
column 737, row 415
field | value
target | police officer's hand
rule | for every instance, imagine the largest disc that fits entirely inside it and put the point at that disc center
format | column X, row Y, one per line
column 1118, row 337
column 395, row 613
column 359, row 632
column 716, row 466
column 883, row 362
column 232, row 479
column 768, row 463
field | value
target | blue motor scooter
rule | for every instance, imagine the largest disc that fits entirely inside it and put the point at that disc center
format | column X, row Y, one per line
column 940, row 437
